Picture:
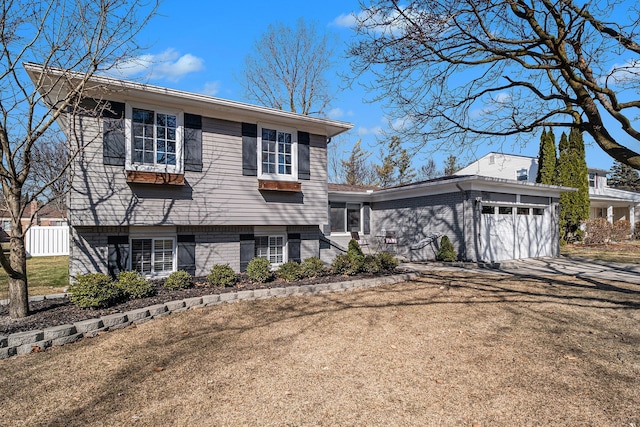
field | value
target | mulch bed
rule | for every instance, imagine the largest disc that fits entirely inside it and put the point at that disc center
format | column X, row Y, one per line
column 55, row 312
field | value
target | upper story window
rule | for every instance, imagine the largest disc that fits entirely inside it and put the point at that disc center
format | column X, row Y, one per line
column 522, row 175
column 154, row 140
column 6, row 225
column 277, row 153
column 593, row 178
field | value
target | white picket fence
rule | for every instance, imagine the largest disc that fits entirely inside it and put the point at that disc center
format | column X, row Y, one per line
column 47, row 241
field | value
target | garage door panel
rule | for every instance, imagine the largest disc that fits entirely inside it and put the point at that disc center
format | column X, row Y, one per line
column 513, row 236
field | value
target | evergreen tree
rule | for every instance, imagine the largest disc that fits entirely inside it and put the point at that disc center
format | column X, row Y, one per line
column 451, row 165
column 357, row 170
column 571, row 171
column 406, row 174
column 385, row 173
column 546, row 158
column 624, row 177
column 396, row 166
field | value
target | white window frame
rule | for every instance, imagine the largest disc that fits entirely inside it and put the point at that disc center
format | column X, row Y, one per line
column 273, row 232
column 153, row 273
column 294, row 153
column 346, row 230
column 594, row 179
column 6, row 225
column 178, row 168
column 522, row 173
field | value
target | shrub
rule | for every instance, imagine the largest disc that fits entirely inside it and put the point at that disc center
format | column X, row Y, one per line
column 94, row 290
column 222, row 275
column 598, row 231
column 343, row 264
column 312, row 267
column 621, row 230
column 356, row 257
column 386, row 261
column 178, row 280
column 290, row 271
column 371, row 264
column 446, row 252
column 133, row 285
column 259, row 270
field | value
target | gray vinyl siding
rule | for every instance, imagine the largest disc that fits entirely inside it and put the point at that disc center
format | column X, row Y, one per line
column 88, row 251
column 213, row 245
column 415, row 218
column 219, row 195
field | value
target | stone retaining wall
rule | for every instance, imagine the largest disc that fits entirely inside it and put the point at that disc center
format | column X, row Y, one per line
column 39, row 340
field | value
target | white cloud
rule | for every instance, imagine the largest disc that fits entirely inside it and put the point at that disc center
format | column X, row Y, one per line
column 169, row 65
column 400, row 123
column 211, row 88
column 338, row 113
column 376, row 130
column 347, row 21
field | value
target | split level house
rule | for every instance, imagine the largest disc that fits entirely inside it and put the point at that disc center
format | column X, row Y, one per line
column 171, row 180
column 605, row 202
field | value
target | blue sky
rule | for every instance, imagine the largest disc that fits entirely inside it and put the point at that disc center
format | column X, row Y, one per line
column 201, row 47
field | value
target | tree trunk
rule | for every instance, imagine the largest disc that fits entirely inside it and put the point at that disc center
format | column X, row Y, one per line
column 17, row 265
column 18, row 295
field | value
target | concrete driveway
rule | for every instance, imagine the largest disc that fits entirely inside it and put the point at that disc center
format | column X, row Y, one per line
column 629, row 273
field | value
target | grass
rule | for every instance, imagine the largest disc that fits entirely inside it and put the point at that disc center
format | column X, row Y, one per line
column 625, row 252
column 452, row 348
column 45, row 275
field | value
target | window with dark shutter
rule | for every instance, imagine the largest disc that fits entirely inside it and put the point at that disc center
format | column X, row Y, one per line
column 249, row 149
column 304, row 168
column 187, row 253
column 293, row 242
column 118, row 254
column 113, row 134
column 192, row 142
column 366, row 218
column 247, row 250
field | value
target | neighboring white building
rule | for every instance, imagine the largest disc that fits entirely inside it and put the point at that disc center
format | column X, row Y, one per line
column 606, row 202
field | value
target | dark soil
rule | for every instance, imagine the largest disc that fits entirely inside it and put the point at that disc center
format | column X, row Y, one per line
column 55, row 312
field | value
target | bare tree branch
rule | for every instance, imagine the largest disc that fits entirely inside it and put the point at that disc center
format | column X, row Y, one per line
column 81, row 39
column 287, row 70
column 441, row 66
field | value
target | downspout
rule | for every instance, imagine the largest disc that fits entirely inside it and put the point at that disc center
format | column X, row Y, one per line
column 464, row 220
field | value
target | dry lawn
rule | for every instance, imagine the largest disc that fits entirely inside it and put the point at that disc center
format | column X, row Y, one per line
column 464, row 349
column 622, row 252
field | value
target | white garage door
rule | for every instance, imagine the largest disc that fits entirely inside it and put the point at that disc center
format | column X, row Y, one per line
column 509, row 232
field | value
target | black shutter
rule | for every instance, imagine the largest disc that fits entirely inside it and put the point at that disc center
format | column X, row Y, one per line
column 113, row 136
column 118, row 254
column 366, row 219
column 192, row 142
column 249, row 149
column 247, row 250
column 187, row 253
column 293, row 241
column 304, row 168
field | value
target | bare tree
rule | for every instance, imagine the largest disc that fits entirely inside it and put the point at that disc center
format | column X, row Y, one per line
column 287, row 69
column 429, row 170
column 465, row 71
column 80, row 40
